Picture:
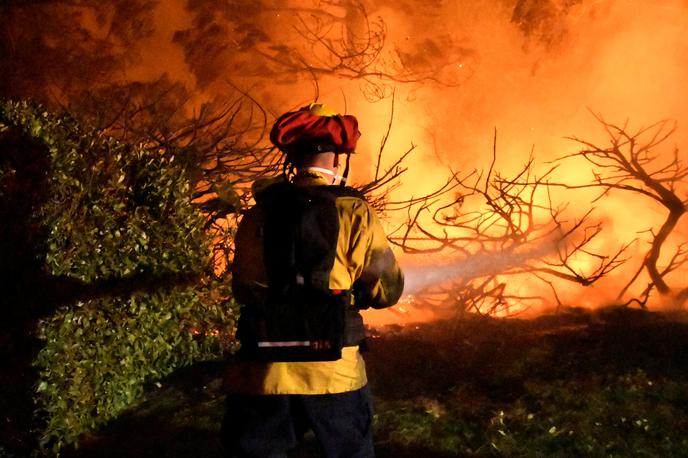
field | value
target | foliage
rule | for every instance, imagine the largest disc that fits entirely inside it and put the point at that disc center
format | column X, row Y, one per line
column 125, row 257
column 100, row 355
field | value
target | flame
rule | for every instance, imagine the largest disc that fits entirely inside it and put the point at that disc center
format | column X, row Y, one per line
column 610, row 58
column 534, row 82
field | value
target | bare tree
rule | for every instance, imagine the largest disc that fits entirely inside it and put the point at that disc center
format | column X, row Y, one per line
column 352, row 45
column 338, row 39
column 499, row 227
column 633, row 163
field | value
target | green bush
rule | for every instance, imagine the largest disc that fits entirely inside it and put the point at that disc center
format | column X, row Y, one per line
column 129, row 252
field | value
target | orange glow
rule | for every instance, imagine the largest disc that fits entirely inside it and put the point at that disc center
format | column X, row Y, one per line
column 623, row 59
column 615, row 61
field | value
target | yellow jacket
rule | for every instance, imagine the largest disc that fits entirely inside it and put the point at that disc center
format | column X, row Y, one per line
column 362, row 254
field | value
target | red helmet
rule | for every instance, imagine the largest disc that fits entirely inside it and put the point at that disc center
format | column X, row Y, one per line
column 315, row 129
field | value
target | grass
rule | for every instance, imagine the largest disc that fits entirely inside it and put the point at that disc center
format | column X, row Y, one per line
column 627, row 415
column 613, row 383
column 609, row 383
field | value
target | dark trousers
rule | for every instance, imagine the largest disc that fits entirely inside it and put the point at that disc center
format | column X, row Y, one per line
column 270, row 425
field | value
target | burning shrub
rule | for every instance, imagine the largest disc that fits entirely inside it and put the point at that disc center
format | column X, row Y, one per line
column 119, row 278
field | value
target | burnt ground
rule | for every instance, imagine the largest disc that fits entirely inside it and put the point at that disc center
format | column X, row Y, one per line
column 486, row 362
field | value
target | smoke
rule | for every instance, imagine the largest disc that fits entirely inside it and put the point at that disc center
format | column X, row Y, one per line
column 530, row 69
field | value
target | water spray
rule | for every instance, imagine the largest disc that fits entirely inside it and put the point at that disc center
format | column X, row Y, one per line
column 419, row 277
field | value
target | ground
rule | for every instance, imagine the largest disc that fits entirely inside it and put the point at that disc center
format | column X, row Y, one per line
column 607, row 383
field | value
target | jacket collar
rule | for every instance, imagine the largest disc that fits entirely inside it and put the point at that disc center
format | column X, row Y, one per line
column 312, row 178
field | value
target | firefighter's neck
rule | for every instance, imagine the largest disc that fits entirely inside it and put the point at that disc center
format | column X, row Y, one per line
column 325, row 163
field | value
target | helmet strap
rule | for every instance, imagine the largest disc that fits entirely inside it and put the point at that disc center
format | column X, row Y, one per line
column 345, row 175
column 287, row 167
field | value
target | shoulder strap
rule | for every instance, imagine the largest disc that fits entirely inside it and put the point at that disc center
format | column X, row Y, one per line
column 300, row 237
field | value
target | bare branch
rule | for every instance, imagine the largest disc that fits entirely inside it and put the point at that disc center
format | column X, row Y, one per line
column 631, row 165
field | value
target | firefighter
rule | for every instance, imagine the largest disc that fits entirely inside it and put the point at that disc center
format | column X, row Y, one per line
column 309, row 255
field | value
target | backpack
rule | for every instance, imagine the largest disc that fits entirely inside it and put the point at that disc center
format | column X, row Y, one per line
column 300, row 318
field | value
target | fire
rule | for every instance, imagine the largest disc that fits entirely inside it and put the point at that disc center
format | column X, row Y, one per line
column 407, row 312
column 609, row 58
column 458, row 71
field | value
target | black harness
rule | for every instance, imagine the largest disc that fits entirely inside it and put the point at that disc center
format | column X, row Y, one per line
column 300, row 318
